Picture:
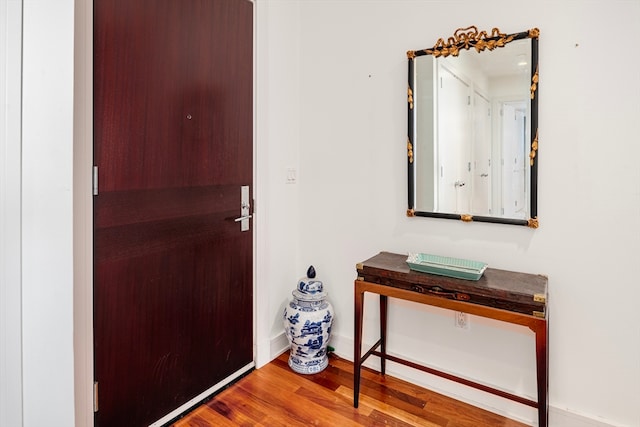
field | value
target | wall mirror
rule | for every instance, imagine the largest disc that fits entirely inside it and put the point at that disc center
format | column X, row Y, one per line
column 473, row 128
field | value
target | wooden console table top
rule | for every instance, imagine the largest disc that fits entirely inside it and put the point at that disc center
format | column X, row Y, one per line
column 507, row 290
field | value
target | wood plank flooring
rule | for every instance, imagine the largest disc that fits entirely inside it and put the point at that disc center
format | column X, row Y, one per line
column 274, row 396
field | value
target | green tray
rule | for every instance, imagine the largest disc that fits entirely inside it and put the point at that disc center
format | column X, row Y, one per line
column 447, row 266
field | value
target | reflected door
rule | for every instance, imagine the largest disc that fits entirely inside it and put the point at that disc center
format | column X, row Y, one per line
column 454, row 138
column 514, row 161
column 481, row 185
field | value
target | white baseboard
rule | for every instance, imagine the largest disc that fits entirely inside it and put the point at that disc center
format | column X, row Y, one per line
column 564, row 418
column 279, row 344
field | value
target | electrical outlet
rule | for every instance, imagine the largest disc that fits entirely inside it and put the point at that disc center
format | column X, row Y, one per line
column 462, row 320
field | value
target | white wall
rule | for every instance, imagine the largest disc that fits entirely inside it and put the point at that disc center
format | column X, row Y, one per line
column 278, row 136
column 351, row 195
column 47, row 216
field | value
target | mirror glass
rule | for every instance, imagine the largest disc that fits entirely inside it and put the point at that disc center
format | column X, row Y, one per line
column 472, row 126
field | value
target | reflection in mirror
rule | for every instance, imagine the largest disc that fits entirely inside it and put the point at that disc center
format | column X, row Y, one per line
column 471, row 141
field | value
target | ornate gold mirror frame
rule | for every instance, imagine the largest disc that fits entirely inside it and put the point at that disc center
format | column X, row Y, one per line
column 465, row 39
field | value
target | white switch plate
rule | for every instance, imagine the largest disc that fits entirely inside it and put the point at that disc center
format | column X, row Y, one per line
column 292, row 176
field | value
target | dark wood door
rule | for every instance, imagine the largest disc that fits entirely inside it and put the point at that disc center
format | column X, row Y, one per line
column 173, row 114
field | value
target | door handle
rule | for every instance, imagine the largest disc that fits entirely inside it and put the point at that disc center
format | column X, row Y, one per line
column 245, row 209
column 243, row 218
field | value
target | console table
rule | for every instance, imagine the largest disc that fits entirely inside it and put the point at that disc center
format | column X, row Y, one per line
column 507, row 296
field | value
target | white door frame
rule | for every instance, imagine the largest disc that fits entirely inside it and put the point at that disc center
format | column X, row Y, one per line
column 10, row 213
column 83, row 214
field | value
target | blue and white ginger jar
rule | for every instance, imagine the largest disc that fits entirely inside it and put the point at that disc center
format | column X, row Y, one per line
column 307, row 323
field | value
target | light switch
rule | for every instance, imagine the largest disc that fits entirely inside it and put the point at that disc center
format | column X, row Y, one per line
column 292, row 176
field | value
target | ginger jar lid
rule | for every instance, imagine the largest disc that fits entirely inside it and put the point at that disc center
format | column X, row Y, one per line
column 310, row 288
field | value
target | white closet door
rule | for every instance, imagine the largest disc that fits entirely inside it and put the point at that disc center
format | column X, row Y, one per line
column 481, row 166
column 513, row 135
column 454, row 143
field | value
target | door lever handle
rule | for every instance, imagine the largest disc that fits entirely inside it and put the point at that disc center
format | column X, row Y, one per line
column 245, row 209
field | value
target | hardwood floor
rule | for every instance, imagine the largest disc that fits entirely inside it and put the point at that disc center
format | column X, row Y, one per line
column 274, row 395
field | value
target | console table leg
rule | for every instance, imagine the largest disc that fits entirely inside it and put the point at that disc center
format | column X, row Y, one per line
column 383, row 333
column 542, row 368
column 357, row 339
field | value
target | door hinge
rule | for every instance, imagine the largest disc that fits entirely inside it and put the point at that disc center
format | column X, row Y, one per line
column 95, row 180
column 95, row 396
